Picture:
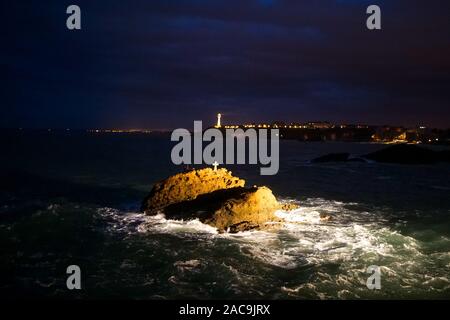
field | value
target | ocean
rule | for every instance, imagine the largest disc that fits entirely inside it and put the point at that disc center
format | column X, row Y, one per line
column 73, row 198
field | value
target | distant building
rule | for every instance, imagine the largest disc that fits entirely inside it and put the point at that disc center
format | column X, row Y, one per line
column 319, row 125
column 423, row 135
column 389, row 134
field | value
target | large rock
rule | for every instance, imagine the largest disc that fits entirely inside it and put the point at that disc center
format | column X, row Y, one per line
column 400, row 154
column 188, row 186
column 214, row 197
column 407, row 154
column 233, row 210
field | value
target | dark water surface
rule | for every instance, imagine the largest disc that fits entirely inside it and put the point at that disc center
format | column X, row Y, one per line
column 73, row 198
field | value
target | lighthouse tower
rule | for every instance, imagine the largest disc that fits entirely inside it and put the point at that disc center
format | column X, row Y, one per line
column 218, row 125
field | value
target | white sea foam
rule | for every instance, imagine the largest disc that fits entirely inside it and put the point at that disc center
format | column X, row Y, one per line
column 303, row 238
column 160, row 224
column 352, row 240
column 131, row 222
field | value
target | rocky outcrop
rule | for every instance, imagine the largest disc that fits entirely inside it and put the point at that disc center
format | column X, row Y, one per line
column 215, row 198
column 289, row 206
column 400, row 154
column 408, row 154
column 188, row 186
column 233, row 210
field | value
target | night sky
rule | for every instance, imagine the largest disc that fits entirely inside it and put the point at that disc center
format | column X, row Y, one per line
column 162, row 64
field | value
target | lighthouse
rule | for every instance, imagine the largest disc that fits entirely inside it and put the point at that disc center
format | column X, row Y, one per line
column 218, row 125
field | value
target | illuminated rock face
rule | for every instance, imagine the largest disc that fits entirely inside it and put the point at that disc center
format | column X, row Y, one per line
column 250, row 209
column 214, row 197
column 188, row 186
column 233, row 210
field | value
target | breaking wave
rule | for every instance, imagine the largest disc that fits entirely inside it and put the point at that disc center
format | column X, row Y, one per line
column 310, row 257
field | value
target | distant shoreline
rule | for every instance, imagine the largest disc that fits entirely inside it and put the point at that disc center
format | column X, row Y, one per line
column 436, row 137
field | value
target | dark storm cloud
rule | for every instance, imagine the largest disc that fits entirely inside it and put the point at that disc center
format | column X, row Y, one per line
column 165, row 63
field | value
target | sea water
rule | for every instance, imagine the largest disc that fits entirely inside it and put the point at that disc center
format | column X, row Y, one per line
column 73, row 198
